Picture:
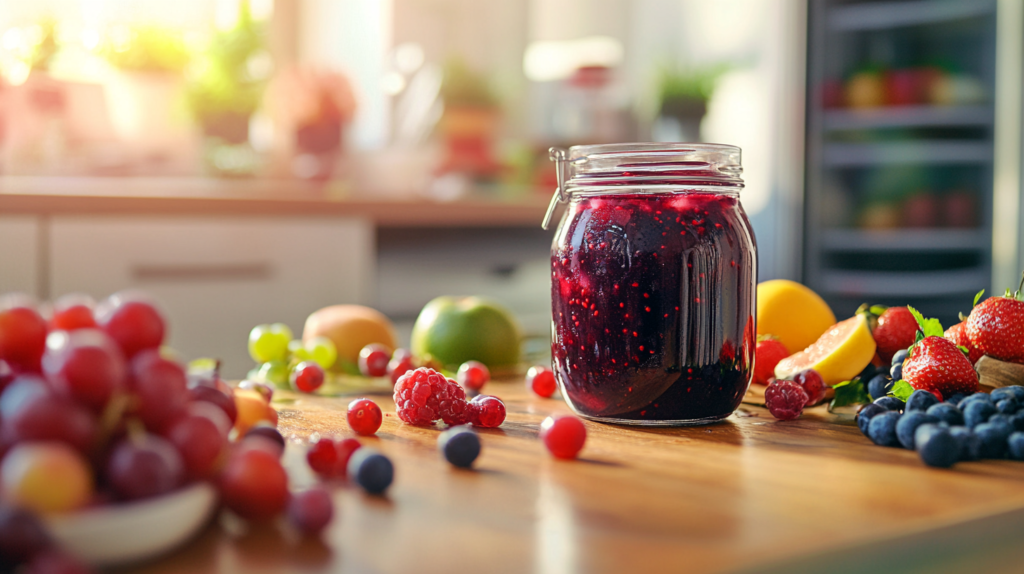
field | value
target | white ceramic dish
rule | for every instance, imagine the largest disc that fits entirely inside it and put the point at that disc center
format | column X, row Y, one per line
column 123, row 533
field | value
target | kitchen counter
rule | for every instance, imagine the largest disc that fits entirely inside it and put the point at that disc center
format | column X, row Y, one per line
column 201, row 196
column 750, row 494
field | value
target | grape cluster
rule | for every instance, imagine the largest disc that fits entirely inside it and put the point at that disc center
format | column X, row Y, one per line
column 91, row 411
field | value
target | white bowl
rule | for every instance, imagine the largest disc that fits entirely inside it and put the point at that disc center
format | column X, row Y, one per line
column 122, row 533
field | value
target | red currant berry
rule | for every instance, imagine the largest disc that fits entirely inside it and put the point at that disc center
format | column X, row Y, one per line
column 785, row 399
column 489, row 412
column 813, row 385
column 563, row 435
column 364, row 416
column 373, row 360
column 399, row 365
column 473, row 375
column 311, row 511
column 322, row 457
column 254, row 484
column 541, row 380
column 344, row 448
column 307, row 376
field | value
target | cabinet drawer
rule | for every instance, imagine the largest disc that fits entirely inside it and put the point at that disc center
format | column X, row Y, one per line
column 217, row 278
column 19, row 254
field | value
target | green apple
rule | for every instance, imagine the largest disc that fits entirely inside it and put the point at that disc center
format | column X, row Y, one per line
column 453, row 330
column 269, row 342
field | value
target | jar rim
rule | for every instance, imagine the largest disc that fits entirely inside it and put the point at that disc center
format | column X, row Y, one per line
column 665, row 148
column 653, row 165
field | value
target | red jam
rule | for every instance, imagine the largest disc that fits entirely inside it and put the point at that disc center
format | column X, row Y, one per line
column 653, row 306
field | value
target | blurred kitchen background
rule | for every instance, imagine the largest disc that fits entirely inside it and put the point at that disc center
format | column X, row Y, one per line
column 252, row 161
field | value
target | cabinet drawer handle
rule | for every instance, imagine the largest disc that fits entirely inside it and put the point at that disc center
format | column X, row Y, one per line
column 203, row 272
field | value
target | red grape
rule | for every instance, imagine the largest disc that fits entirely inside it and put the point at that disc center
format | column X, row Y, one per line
column 133, row 323
column 364, row 416
column 73, row 311
column 22, row 335
column 311, row 511
column 32, row 412
column 200, row 444
column 160, row 389
column 269, row 433
column 563, row 435
column 22, row 536
column 211, row 412
column 307, row 376
column 373, row 360
column 85, row 365
column 541, row 381
column 254, row 484
column 6, row 375
column 215, row 397
column 473, row 375
column 322, row 457
column 142, row 468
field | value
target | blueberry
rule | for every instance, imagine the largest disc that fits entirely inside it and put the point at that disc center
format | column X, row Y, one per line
column 896, row 372
column 1008, row 406
column 882, row 428
column 936, row 446
column 983, row 397
column 908, row 424
column 946, row 413
column 969, row 443
column 977, row 412
column 878, row 386
column 866, row 413
column 460, row 446
column 1004, row 393
column 993, row 439
column 868, row 373
column 890, row 403
column 920, row 400
column 1018, row 392
column 371, row 470
column 900, row 356
column 1001, row 418
column 955, row 399
column 1015, row 445
column 1018, row 421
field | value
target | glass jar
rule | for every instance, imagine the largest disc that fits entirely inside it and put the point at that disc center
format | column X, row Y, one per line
column 653, row 283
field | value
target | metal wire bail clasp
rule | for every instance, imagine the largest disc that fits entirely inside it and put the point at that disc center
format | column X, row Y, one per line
column 557, row 155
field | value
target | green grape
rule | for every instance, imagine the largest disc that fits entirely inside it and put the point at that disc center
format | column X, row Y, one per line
column 298, row 352
column 274, row 372
column 269, row 342
column 323, row 351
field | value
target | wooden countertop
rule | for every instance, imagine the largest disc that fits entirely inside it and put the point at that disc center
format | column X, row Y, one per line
column 750, row 494
column 219, row 197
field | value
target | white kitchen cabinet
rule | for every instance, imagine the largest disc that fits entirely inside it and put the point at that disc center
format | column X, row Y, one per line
column 19, row 254
column 217, row 277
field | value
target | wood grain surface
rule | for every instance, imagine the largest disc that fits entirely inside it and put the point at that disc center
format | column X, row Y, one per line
column 749, row 494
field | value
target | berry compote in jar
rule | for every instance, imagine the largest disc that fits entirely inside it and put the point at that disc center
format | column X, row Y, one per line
column 653, row 283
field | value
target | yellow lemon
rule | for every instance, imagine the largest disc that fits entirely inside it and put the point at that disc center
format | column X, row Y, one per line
column 792, row 313
column 838, row 355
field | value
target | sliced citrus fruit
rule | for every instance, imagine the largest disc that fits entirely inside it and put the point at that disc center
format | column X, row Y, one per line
column 838, row 355
column 792, row 313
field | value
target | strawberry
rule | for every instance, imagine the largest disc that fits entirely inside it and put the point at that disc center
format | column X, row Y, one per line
column 767, row 354
column 895, row 331
column 996, row 328
column 958, row 334
column 936, row 364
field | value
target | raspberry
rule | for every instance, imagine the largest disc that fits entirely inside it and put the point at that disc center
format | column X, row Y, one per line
column 456, row 411
column 785, row 399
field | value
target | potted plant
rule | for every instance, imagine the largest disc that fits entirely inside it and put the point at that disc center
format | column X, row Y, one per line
column 683, row 96
column 469, row 124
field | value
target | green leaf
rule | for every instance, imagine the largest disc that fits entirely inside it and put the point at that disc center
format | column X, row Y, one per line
column 964, row 350
column 930, row 327
column 878, row 309
column 978, row 297
column 849, row 393
column 901, row 390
